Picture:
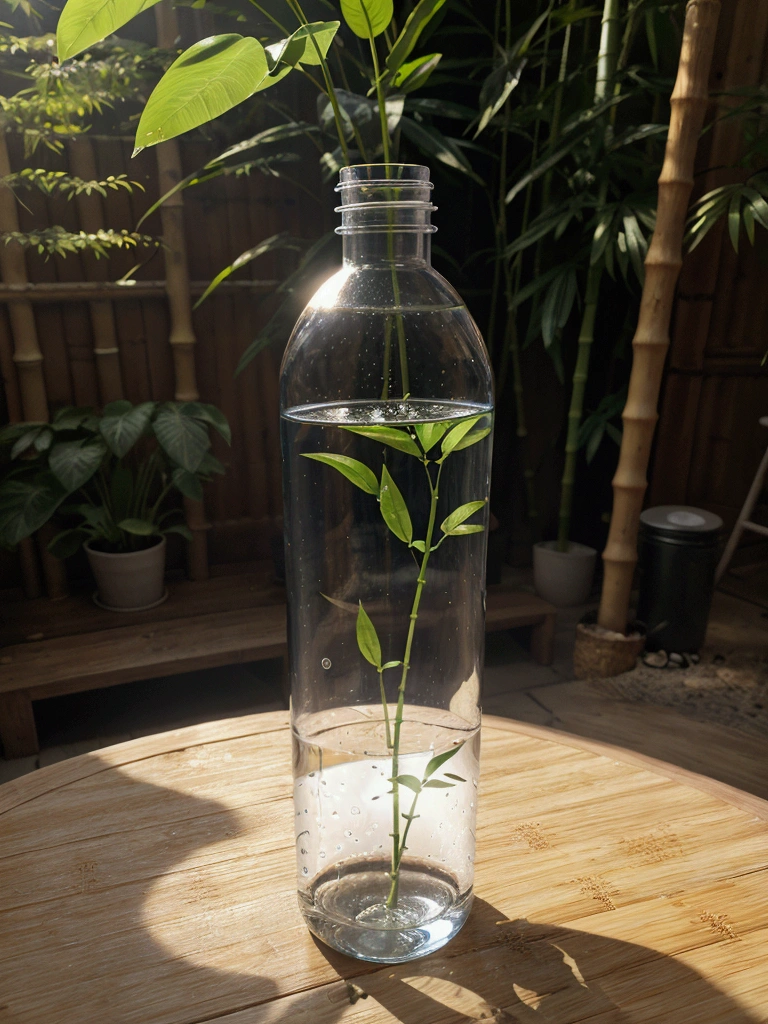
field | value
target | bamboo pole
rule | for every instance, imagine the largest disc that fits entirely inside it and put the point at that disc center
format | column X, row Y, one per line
column 28, row 362
column 86, row 291
column 82, row 162
column 182, row 337
column 662, row 266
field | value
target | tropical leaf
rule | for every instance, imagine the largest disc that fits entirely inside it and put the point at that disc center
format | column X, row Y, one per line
column 299, row 48
column 356, row 472
column 122, row 424
column 73, row 463
column 181, row 528
column 416, row 22
column 393, row 508
column 367, row 638
column 367, row 18
column 85, row 22
column 27, row 504
column 212, row 416
column 67, row 542
column 208, row 79
column 188, row 483
column 138, row 527
column 182, row 437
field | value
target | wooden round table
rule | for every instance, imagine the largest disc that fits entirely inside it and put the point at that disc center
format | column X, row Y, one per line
column 153, row 882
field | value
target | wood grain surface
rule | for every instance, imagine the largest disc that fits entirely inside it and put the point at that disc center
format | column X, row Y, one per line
column 154, row 882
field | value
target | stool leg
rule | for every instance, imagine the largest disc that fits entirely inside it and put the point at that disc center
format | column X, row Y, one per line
column 17, row 725
column 543, row 641
column 744, row 515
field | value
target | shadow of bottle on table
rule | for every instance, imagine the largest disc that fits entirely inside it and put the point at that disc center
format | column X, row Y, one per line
column 190, row 915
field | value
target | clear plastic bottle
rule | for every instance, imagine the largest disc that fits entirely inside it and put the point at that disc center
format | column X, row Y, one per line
column 386, row 410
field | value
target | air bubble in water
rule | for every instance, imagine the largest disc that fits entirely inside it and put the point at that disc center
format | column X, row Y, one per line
column 354, row 810
column 326, row 663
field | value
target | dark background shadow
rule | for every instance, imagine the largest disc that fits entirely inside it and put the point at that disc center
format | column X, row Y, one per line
column 76, row 946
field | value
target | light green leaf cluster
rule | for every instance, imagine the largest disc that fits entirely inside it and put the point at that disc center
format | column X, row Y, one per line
column 58, row 241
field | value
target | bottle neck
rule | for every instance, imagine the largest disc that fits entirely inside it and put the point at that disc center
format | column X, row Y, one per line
column 399, row 248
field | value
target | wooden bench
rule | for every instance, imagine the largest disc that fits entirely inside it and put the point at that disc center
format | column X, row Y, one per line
column 56, row 648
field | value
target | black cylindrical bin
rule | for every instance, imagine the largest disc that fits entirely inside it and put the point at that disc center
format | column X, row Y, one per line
column 678, row 557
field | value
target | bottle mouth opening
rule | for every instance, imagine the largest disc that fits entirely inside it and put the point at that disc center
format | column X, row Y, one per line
column 385, row 198
column 384, row 175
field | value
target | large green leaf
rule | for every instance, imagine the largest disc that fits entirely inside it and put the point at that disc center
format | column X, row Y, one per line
column 208, row 79
column 367, row 638
column 418, row 19
column 27, row 504
column 182, row 438
column 299, row 48
column 393, row 508
column 451, row 522
column 123, row 424
column 367, row 18
column 84, row 22
column 356, row 472
column 188, row 483
column 73, row 463
column 208, row 414
column 67, row 542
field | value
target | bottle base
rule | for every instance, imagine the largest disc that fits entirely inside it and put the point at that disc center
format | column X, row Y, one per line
column 348, row 911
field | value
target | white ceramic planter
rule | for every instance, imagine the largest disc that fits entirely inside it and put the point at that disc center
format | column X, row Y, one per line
column 131, row 581
column 563, row 578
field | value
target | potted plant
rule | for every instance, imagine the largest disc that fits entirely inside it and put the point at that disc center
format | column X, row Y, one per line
column 113, row 475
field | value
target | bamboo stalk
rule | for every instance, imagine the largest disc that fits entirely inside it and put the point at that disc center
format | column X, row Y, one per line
column 662, row 266
column 86, row 291
column 606, row 67
column 182, row 336
column 28, row 362
column 82, row 162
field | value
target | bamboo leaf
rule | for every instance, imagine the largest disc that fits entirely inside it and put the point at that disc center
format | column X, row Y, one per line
column 391, row 664
column 85, row 22
column 430, row 433
column 356, row 472
column 734, row 220
column 417, row 21
column 438, row 784
column 208, row 79
column 451, row 522
column 455, row 435
column 748, row 217
column 471, row 438
column 415, row 73
column 558, row 304
column 394, row 509
column 465, row 528
column 394, row 437
column 367, row 638
column 410, row 782
column 419, row 545
column 456, row 778
column 439, row 759
column 636, row 245
column 367, row 18
column 281, row 241
column 435, row 144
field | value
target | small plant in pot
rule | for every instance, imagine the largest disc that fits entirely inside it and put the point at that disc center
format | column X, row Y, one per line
column 113, row 475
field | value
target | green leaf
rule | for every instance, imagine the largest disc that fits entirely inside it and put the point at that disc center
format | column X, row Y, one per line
column 437, row 784
column 67, row 542
column 455, row 435
column 43, row 440
column 415, row 73
column 211, row 464
column 473, row 437
column 208, row 79
column 439, row 759
column 281, row 241
column 734, row 220
column 180, row 528
column 409, row 781
column 391, row 436
column 138, row 527
column 417, row 21
column 123, row 424
column 430, row 433
column 451, row 522
column 182, row 438
column 433, row 143
column 208, row 414
column 367, row 18
column 188, row 483
column 27, row 504
column 419, row 545
column 73, row 463
column 456, row 778
column 558, row 304
column 25, row 442
column 367, row 639
column 84, row 22
column 394, row 509
column 299, row 47
column 356, row 472
column 391, row 664
column 467, row 528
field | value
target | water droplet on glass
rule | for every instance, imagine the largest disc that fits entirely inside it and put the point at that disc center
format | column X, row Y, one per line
column 305, row 871
column 326, row 663
column 348, row 833
column 354, row 810
column 305, row 852
column 322, row 854
column 334, row 814
column 338, row 846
